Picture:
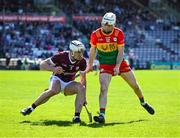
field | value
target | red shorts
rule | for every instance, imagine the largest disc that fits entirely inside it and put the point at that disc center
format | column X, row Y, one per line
column 106, row 68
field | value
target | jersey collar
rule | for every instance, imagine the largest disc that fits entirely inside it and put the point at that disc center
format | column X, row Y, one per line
column 107, row 34
column 70, row 58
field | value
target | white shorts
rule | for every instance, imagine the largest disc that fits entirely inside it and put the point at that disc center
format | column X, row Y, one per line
column 62, row 83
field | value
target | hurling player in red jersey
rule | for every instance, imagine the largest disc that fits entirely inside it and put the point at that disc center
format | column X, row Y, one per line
column 108, row 41
column 64, row 66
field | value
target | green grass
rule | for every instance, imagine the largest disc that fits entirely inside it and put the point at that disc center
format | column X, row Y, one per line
column 124, row 116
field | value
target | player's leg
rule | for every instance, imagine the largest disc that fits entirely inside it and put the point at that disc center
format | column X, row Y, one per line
column 54, row 89
column 105, row 80
column 131, row 80
column 80, row 91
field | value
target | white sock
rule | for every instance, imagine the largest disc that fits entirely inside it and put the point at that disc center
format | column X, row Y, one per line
column 31, row 108
column 143, row 103
column 102, row 114
column 76, row 117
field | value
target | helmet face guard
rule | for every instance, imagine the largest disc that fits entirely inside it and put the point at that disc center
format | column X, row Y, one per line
column 77, row 46
column 109, row 18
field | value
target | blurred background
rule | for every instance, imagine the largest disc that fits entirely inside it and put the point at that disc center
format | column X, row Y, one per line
column 32, row 30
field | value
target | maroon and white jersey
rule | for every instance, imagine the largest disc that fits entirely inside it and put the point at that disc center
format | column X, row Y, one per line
column 70, row 68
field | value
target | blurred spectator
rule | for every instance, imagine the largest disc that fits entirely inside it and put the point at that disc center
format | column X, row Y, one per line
column 131, row 58
column 8, row 59
column 176, row 40
column 19, row 64
column 25, row 65
column 36, row 39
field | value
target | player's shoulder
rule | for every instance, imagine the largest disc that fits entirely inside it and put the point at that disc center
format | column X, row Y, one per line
column 96, row 32
column 62, row 53
column 83, row 61
column 82, row 64
column 118, row 30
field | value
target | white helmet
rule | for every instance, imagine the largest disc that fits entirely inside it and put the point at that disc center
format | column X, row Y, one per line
column 77, row 46
column 109, row 18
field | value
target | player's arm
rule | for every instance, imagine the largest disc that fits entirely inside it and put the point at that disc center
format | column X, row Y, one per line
column 82, row 69
column 120, row 46
column 48, row 65
column 91, row 58
column 119, row 59
column 83, row 78
column 92, row 54
column 120, row 56
column 83, row 82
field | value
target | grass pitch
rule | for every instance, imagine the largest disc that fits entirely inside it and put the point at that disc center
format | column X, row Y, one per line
column 124, row 116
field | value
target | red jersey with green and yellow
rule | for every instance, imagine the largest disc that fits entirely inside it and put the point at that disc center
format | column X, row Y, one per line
column 107, row 45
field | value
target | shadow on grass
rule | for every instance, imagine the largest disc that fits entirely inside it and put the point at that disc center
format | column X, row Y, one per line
column 69, row 123
column 48, row 123
column 95, row 125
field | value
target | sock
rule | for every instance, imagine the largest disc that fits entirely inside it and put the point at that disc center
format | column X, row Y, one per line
column 142, row 100
column 77, row 114
column 33, row 106
column 102, row 111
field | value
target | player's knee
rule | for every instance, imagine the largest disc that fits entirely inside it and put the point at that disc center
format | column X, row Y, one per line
column 82, row 93
column 104, row 89
column 81, row 88
column 103, row 92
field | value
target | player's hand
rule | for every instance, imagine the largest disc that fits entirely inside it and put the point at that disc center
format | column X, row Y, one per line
column 116, row 70
column 89, row 68
column 58, row 70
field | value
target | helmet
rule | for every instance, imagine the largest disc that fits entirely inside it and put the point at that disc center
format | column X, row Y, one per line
column 109, row 18
column 77, row 46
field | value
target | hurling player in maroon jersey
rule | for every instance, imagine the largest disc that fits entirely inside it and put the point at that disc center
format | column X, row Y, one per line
column 64, row 66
